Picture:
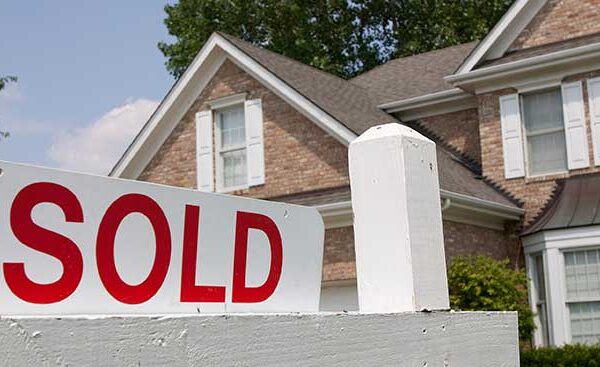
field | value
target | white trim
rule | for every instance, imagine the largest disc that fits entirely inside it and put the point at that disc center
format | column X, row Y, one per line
column 168, row 113
column 594, row 120
column 228, row 101
column 484, row 206
column 424, row 100
column 434, row 104
column 554, row 243
column 536, row 69
column 504, row 33
column 189, row 86
column 336, row 215
column 531, row 270
column 457, row 208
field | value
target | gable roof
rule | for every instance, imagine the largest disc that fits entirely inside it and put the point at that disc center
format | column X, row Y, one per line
column 544, row 49
column 503, row 34
column 337, row 105
column 414, row 76
column 342, row 109
column 348, row 103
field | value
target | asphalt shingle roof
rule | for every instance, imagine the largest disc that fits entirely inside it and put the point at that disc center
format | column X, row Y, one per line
column 454, row 176
column 350, row 103
column 414, row 76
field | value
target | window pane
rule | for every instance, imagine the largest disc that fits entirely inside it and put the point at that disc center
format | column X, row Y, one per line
column 544, row 129
column 543, row 110
column 547, row 153
column 233, row 129
column 585, row 322
column 582, row 272
column 235, row 172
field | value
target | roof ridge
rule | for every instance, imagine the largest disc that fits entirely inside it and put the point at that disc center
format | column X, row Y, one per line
column 291, row 59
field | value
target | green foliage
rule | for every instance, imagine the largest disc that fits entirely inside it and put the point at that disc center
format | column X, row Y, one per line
column 480, row 283
column 3, row 81
column 567, row 356
column 6, row 79
column 339, row 36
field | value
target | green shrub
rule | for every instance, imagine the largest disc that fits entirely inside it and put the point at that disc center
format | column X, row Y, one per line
column 567, row 356
column 480, row 283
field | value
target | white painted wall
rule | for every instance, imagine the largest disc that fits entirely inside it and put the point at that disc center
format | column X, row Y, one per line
column 337, row 298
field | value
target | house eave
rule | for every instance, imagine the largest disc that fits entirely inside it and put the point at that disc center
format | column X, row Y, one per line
column 458, row 208
column 555, row 65
column 433, row 104
column 503, row 34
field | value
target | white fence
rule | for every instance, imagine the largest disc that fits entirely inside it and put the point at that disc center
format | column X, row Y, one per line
column 403, row 296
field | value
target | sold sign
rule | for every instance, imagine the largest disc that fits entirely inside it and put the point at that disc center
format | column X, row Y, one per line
column 81, row 244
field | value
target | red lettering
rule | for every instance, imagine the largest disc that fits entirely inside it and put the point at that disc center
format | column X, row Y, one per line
column 45, row 241
column 244, row 222
column 190, row 292
column 105, row 248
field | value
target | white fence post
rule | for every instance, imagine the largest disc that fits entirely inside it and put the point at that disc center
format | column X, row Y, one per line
column 399, row 243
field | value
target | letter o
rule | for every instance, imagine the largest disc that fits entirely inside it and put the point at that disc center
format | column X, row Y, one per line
column 105, row 248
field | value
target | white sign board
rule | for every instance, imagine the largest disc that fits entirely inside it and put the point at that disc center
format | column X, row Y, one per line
column 81, row 244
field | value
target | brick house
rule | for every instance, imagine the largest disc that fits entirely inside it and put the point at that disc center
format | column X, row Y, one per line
column 516, row 118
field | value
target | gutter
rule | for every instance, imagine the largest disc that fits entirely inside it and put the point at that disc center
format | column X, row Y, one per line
column 449, row 199
column 536, row 62
column 482, row 206
column 448, row 95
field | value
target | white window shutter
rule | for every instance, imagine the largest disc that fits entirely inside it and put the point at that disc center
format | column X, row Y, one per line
column 512, row 137
column 204, row 151
column 594, row 98
column 575, row 133
column 256, row 151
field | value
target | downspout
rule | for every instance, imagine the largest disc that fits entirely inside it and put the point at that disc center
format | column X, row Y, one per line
column 446, row 204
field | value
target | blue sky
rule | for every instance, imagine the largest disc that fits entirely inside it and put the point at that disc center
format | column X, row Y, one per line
column 89, row 75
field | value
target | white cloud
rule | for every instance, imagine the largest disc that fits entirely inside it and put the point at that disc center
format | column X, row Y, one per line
column 96, row 148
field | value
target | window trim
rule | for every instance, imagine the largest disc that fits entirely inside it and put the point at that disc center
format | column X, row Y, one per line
column 553, row 244
column 525, row 135
column 220, row 188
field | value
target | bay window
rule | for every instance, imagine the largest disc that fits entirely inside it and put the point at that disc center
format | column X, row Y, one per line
column 582, row 275
column 564, row 271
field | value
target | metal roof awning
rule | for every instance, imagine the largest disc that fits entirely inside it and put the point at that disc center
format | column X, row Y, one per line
column 576, row 203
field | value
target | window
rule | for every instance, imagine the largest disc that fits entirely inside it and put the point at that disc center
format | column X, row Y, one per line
column 540, row 299
column 582, row 275
column 544, row 132
column 232, row 169
column 229, row 145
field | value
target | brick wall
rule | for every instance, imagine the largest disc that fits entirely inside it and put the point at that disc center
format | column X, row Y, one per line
column 560, row 20
column 338, row 257
column 459, row 239
column 299, row 156
column 458, row 129
column 533, row 191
